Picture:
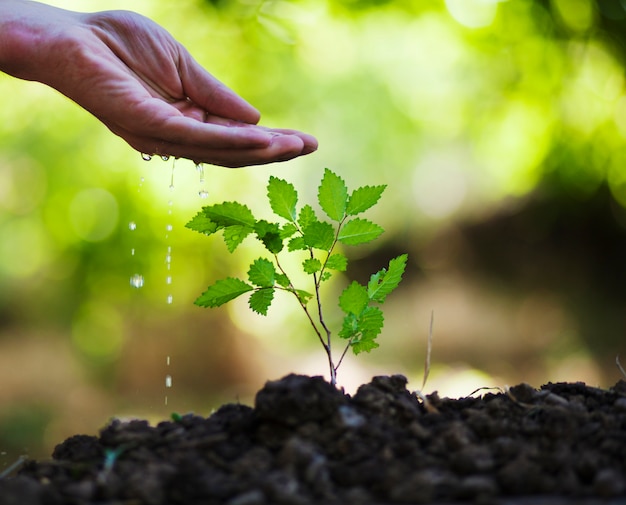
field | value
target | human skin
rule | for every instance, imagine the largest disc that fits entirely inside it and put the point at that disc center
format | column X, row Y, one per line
column 133, row 76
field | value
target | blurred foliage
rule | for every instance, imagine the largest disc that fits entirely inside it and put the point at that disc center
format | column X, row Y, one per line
column 457, row 105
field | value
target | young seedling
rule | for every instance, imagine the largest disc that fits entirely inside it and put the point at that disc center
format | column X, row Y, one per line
column 301, row 231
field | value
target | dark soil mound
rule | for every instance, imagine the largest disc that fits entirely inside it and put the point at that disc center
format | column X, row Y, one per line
column 305, row 442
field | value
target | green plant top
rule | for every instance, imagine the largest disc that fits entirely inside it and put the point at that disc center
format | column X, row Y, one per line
column 302, row 231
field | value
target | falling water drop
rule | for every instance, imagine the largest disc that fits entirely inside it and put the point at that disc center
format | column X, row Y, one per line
column 203, row 193
column 172, row 177
column 136, row 281
column 168, row 280
column 200, row 170
column 169, row 227
column 132, row 251
column 170, row 299
column 146, row 156
column 168, row 381
column 132, row 226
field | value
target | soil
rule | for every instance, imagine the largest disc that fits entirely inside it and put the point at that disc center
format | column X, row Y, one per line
column 306, row 442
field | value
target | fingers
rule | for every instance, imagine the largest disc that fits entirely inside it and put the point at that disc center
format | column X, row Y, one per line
column 280, row 148
column 212, row 95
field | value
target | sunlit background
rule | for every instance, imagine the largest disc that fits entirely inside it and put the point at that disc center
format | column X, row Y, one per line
column 498, row 126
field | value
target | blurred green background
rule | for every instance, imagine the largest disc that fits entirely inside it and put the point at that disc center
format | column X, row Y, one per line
column 498, row 126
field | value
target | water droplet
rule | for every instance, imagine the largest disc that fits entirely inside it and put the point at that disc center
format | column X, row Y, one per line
column 168, row 361
column 203, row 193
column 146, row 156
column 168, row 381
column 170, row 299
column 168, row 279
column 136, row 281
column 132, row 226
column 132, row 251
column 169, row 227
column 200, row 169
column 165, row 157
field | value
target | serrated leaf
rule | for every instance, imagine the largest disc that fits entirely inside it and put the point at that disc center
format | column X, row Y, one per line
column 223, row 291
column 202, row 224
column 311, row 265
column 282, row 280
column 262, row 273
column 261, row 300
column 333, row 195
column 319, row 235
column 230, row 214
column 306, row 217
column 349, row 327
column 303, row 296
column 235, row 235
column 386, row 280
column 283, row 198
column 359, row 231
column 364, row 198
column 363, row 345
column 354, row 299
column 337, row 262
column 297, row 244
column 326, row 275
column 270, row 235
column 288, row 230
column 369, row 325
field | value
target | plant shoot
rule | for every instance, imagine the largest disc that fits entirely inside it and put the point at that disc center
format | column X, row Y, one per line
column 300, row 231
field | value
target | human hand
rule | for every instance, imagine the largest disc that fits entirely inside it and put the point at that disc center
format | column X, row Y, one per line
column 143, row 85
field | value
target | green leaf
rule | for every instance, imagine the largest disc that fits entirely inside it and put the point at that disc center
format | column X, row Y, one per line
column 270, row 235
column 337, row 262
column 261, row 300
column 303, row 296
column 262, row 273
column 326, row 275
column 297, row 244
column 235, row 235
column 354, row 299
column 333, row 195
column 363, row 198
column 230, row 214
column 386, row 280
column 288, row 230
column 202, row 224
column 359, row 231
column 319, row 235
column 350, row 326
column 370, row 325
column 283, row 198
column 282, row 280
column 223, row 291
column 311, row 265
column 306, row 217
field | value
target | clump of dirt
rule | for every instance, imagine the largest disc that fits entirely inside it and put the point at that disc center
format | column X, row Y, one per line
column 306, row 442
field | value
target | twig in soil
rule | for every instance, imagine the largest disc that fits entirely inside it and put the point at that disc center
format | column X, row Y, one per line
column 488, row 388
column 429, row 347
column 508, row 392
column 7, row 471
column 619, row 365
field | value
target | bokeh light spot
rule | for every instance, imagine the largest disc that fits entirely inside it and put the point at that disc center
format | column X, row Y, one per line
column 94, row 214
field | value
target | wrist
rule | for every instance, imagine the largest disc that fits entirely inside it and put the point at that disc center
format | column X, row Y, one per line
column 31, row 36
